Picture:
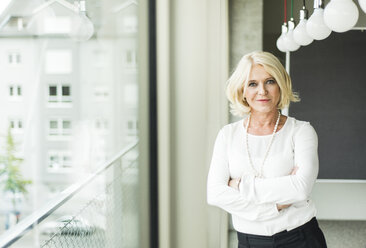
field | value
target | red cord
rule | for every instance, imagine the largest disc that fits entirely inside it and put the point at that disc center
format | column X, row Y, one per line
column 285, row 14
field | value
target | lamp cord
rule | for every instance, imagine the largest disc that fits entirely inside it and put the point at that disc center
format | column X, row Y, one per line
column 303, row 3
column 285, row 13
column 292, row 9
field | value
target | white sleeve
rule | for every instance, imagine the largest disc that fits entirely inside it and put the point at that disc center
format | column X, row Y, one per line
column 221, row 195
column 292, row 188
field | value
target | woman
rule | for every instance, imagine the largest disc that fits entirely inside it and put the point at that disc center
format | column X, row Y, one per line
column 264, row 166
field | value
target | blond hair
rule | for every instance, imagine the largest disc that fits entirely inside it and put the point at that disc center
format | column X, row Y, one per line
column 238, row 81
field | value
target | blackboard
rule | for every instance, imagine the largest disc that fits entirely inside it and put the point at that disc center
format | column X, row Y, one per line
column 330, row 76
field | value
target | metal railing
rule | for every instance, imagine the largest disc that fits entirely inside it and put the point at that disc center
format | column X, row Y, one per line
column 99, row 211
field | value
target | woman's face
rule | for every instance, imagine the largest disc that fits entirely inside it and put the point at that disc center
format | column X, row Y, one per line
column 263, row 92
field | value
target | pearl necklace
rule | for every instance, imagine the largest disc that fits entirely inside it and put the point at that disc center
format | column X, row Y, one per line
column 256, row 173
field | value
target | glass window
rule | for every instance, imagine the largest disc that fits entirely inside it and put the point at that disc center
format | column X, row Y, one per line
column 53, row 90
column 60, row 93
column 63, row 110
column 53, row 124
column 66, row 124
column 16, row 125
column 54, row 161
column 14, row 58
column 65, row 90
column 15, row 91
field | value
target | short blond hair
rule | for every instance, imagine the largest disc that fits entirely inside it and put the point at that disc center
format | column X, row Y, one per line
column 238, row 81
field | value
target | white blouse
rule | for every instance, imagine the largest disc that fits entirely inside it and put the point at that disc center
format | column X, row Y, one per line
column 253, row 206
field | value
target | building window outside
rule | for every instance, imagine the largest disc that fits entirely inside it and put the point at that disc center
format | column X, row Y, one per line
column 131, row 59
column 15, row 91
column 101, row 125
column 59, row 127
column 59, row 93
column 59, row 161
column 101, row 94
column 14, row 58
column 132, row 128
column 16, row 125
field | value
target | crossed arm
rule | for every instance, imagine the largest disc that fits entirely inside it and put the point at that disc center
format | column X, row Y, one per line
column 258, row 198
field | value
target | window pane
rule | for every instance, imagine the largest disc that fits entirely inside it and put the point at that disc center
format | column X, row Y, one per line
column 66, row 124
column 53, row 124
column 66, row 90
column 74, row 133
column 53, row 90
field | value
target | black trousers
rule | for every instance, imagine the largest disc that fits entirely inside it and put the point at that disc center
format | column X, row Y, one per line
column 308, row 235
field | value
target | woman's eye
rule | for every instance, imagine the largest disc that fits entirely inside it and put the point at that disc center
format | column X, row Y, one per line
column 252, row 84
column 271, row 81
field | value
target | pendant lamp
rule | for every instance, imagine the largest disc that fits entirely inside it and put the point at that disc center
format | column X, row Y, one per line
column 341, row 15
column 301, row 36
column 362, row 5
column 315, row 26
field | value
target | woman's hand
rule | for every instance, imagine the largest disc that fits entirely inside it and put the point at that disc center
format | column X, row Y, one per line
column 294, row 170
column 234, row 183
column 280, row 207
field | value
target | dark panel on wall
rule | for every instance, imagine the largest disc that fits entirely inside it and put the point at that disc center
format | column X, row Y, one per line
column 330, row 76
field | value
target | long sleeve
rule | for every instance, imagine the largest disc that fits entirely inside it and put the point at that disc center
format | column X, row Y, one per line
column 292, row 188
column 227, row 198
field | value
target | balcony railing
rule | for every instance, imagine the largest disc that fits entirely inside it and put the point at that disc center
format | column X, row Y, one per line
column 99, row 211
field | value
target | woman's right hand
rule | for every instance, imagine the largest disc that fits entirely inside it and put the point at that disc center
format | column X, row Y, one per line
column 280, row 207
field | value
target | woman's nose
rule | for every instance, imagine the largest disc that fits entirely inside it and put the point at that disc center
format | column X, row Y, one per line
column 262, row 89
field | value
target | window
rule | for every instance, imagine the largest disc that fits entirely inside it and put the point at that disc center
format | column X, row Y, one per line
column 16, row 125
column 101, row 125
column 132, row 128
column 14, row 58
column 101, row 94
column 15, row 91
column 59, row 93
column 53, row 127
column 59, row 161
column 59, row 127
column 66, row 127
column 131, row 60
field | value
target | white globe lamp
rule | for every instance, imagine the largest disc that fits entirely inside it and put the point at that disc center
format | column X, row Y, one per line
column 341, row 15
column 280, row 41
column 301, row 36
column 82, row 28
column 316, row 27
column 288, row 39
column 362, row 4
